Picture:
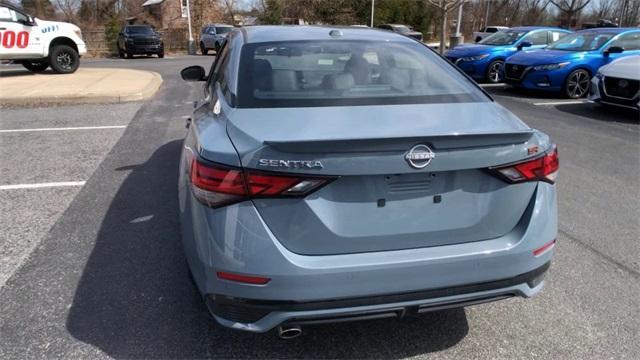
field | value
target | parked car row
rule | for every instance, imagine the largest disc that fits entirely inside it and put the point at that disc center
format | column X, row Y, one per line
column 551, row 59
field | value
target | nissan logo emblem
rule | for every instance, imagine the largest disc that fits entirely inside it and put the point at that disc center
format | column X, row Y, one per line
column 419, row 156
column 623, row 83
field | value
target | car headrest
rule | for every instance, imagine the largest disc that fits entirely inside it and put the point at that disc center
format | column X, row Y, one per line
column 262, row 74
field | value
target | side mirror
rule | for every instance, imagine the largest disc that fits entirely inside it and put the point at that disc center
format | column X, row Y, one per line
column 29, row 21
column 613, row 50
column 193, row 73
column 524, row 44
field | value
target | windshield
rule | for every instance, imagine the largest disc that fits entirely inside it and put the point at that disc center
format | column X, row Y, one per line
column 503, row 38
column 581, row 41
column 333, row 73
column 223, row 29
column 139, row 30
column 402, row 29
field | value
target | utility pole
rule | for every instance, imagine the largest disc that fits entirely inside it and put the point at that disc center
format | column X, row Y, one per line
column 486, row 14
column 191, row 46
column 373, row 5
column 459, row 20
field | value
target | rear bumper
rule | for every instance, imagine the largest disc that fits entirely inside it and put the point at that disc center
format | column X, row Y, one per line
column 263, row 315
column 235, row 239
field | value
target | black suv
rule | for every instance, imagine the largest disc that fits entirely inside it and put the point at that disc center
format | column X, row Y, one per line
column 139, row 40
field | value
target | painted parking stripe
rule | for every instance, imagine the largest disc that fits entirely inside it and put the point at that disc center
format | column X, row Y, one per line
column 568, row 102
column 42, row 185
column 65, row 128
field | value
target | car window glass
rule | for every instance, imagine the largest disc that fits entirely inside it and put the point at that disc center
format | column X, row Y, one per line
column 508, row 37
column 491, row 30
column 223, row 29
column 583, row 41
column 329, row 73
column 556, row 35
column 630, row 41
column 20, row 16
column 536, row 38
column 5, row 14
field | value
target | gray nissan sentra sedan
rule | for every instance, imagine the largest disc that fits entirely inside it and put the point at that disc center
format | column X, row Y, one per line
column 336, row 174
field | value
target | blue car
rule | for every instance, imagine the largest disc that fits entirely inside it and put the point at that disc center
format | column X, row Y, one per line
column 483, row 61
column 337, row 174
column 567, row 65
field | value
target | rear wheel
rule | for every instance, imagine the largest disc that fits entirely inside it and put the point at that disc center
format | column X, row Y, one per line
column 494, row 72
column 38, row 66
column 577, row 84
column 203, row 49
column 161, row 54
column 64, row 59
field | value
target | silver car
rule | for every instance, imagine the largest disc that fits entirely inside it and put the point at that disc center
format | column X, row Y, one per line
column 336, row 174
column 212, row 36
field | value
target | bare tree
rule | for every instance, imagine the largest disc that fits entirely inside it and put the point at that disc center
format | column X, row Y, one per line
column 444, row 6
column 570, row 8
column 231, row 5
column 68, row 8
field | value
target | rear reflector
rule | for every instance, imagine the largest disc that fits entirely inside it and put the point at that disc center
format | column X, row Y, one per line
column 541, row 250
column 543, row 168
column 216, row 185
column 256, row 280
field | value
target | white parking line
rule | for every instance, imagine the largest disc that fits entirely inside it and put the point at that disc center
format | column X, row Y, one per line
column 493, row 85
column 65, row 128
column 568, row 102
column 42, row 185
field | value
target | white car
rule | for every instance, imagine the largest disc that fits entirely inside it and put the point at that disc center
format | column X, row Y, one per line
column 38, row 44
column 489, row 30
column 618, row 83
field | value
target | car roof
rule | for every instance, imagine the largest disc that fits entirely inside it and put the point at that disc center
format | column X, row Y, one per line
column 268, row 33
column 608, row 30
column 530, row 28
column 137, row 25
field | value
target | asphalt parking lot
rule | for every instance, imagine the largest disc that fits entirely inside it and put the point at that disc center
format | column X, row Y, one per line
column 92, row 266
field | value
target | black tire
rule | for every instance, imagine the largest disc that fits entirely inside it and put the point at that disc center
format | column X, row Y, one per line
column 38, row 66
column 64, row 59
column 494, row 72
column 129, row 55
column 120, row 52
column 161, row 54
column 577, row 84
column 203, row 49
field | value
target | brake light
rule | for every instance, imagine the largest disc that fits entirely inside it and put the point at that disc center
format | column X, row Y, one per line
column 543, row 168
column 216, row 185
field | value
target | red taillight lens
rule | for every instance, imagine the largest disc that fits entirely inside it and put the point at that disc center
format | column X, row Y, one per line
column 217, row 185
column 256, row 280
column 543, row 168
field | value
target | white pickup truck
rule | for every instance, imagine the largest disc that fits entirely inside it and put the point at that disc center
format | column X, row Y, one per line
column 38, row 44
column 479, row 35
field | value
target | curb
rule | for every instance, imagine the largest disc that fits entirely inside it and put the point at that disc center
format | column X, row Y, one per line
column 147, row 92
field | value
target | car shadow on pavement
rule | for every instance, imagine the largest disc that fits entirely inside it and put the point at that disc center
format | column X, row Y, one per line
column 135, row 299
column 602, row 113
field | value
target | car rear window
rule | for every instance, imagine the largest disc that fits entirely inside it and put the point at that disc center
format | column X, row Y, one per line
column 223, row 29
column 334, row 73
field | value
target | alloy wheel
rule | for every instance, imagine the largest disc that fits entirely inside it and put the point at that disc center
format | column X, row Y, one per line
column 577, row 84
column 494, row 74
column 65, row 60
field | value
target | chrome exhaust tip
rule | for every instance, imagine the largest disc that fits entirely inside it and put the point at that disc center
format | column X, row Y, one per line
column 289, row 332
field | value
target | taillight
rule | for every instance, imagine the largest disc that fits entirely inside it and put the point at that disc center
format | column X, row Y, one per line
column 543, row 168
column 216, row 185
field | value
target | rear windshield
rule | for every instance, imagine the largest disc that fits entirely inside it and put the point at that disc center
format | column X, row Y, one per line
column 334, row 73
column 581, row 42
column 223, row 29
column 503, row 38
